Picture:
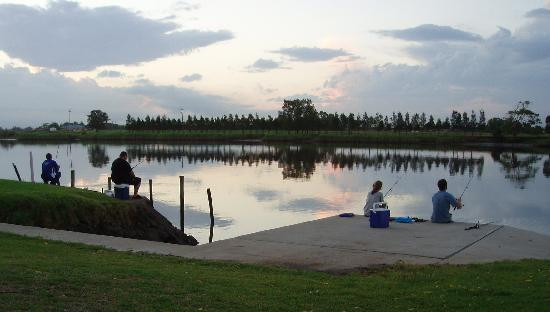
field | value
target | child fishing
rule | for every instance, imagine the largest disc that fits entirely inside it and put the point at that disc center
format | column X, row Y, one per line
column 374, row 196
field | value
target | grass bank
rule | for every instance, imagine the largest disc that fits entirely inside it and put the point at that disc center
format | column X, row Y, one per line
column 51, row 276
column 426, row 137
column 85, row 211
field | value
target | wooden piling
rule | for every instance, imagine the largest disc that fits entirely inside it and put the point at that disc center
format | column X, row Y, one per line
column 182, row 203
column 151, row 191
column 16, row 172
column 72, row 178
column 32, row 167
column 211, row 215
column 109, row 183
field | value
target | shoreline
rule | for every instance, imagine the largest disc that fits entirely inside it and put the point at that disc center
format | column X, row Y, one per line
column 445, row 138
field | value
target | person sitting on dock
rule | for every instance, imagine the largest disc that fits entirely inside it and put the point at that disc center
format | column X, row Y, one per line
column 122, row 173
column 374, row 196
column 442, row 202
column 50, row 171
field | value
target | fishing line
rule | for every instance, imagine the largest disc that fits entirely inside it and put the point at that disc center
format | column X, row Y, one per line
column 391, row 188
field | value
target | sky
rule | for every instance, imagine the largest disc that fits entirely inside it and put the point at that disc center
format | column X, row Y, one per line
column 217, row 57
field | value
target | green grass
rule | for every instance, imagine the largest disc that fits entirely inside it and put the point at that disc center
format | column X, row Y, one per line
column 51, row 276
column 55, row 207
column 425, row 137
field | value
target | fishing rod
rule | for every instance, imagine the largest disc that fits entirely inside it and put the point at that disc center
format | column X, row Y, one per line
column 139, row 163
column 394, row 184
column 465, row 189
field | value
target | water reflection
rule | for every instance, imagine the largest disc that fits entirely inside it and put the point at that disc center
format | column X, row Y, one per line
column 258, row 187
column 518, row 168
column 299, row 162
column 97, row 155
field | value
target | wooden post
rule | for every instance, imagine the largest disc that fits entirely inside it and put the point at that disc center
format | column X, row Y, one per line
column 16, row 172
column 151, row 191
column 72, row 178
column 32, row 167
column 182, row 202
column 109, row 183
column 211, row 215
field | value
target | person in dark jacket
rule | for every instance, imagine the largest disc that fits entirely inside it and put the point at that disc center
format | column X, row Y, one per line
column 122, row 172
column 50, row 171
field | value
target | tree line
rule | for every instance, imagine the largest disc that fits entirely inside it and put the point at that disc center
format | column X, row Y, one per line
column 301, row 115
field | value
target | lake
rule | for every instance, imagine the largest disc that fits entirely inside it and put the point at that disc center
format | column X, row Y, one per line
column 258, row 187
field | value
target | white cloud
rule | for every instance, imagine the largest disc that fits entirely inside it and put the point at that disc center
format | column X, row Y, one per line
column 492, row 73
column 430, row 32
column 30, row 99
column 68, row 37
column 110, row 74
column 314, row 54
column 191, row 78
column 262, row 65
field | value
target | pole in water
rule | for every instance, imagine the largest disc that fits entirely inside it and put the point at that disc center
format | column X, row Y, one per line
column 109, row 179
column 16, row 172
column 182, row 202
column 72, row 178
column 32, row 167
column 151, row 191
column 211, row 215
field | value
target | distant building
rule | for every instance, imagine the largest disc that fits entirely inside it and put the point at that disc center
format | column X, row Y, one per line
column 52, row 129
column 73, row 127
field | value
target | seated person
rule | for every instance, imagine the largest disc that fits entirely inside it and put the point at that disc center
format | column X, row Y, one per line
column 374, row 196
column 50, row 171
column 442, row 202
column 122, row 173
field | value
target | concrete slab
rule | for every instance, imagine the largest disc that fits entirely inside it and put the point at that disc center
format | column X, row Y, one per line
column 414, row 239
column 338, row 244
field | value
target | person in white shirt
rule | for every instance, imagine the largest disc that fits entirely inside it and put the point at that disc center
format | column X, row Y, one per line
column 374, row 196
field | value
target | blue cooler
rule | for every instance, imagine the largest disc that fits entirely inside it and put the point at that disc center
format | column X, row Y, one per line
column 122, row 191
column 379, row 216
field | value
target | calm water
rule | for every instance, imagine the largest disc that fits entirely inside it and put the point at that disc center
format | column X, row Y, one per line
column 259, row 187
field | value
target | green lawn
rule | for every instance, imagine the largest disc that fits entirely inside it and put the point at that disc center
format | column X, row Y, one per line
column 51, row 206
column 52, row 276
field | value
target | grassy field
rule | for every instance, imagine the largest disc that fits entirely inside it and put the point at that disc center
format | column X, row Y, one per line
column 47, row 205
column 427, row 137
column 51, row 276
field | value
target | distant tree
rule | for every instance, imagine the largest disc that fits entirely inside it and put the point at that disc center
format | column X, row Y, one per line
column 522, row 118
column 97, row 119
column 548, row 124
column 482, row 123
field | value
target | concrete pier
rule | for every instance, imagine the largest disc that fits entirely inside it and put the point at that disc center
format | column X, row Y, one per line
column 339, row 244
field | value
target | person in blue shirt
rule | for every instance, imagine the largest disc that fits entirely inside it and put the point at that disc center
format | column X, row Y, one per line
column 442, row 202
column 50, row 171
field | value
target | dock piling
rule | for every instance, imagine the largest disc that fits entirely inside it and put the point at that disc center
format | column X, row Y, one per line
column 16, row 172
column 211, row 215
column 182, row 203
column 109, row 183
column 72, row 178
column 32, row 167
column 151, row 191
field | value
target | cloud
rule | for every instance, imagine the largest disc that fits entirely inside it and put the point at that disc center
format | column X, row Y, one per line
column 68, row 37
column 31, row 99
column 492, row 74
column 538, row 13
column 307, row 205
column 430, row 32
column 110, row 74
column 305, row 54
column 191, row 78
column 262, row 65
column 186, row 6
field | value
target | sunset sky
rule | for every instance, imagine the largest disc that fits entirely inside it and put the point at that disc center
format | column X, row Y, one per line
column 218, row 57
